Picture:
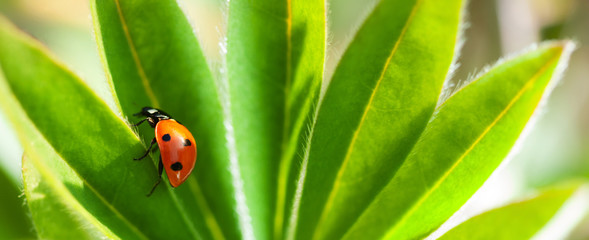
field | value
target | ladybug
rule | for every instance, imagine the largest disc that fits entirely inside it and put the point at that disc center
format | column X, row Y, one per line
column 176, row 144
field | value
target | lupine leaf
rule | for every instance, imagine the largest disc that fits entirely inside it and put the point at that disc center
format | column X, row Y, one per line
column 96, row 144
column 381, row 96
column 466, row 139
column 275, row 52
column 520, row 220
column 307, row 39
column 153, row 59
column 14, row 223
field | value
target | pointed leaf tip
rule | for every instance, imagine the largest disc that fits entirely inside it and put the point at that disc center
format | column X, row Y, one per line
column 467, row 138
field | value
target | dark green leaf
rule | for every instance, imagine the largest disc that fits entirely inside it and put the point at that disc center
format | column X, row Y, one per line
column 14, row 223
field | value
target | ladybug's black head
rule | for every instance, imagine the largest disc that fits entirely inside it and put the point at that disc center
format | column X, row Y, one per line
column 153, row 115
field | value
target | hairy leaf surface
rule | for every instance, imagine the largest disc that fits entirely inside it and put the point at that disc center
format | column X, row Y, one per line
column 91, row 139
column 381, row 96
column 154, row 59
column 466, row 139
column 520, row 220
column 275, row 52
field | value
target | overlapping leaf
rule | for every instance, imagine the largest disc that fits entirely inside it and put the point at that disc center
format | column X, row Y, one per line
column 275, row 52
column 56, row 198
column 466, row 139
column 307, row 39
column 371, row 167
column 520, row 220
column 382, row 93
column 153, row 59
column 96, row 144
column 51, row 209
column 50, row 204
column 14, row 223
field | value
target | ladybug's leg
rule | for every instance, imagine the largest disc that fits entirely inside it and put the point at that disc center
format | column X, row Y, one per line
column 139, row 123
column 160, row 169
column 147, row 152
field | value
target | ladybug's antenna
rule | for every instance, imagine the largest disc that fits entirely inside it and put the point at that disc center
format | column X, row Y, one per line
column 146, row 111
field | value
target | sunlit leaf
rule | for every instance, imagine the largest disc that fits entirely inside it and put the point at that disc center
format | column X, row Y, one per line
column 153, row 59
column 91, row 139
column 520, row 220
column 53, row 206
column 380, row 98
column 275, row 52
column 306, row 38
column 55, row 194
column 466, row 139
column 382, row 154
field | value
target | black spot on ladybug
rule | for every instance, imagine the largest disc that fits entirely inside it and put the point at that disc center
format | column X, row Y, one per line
column 166, row 137
column 177, row 166
column 187, row 142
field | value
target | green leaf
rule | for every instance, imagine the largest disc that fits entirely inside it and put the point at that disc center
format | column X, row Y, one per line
column 275, row 52
column 257, row 77
column 52, row 207
column 382, row 94
column 92, row 140
column 464, row 142
column 306, row 36
column 56, row 196
column 14, row 223
column 520, row 220
column 153, row 59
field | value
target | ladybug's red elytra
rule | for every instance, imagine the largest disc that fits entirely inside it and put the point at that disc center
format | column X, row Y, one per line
column 176, row 144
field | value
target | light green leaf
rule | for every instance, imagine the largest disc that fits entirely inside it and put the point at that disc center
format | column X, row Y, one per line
column 52, row 207
column 307, row 39
column 520, row 220
column 275, row 52
column 382, row 94
column 55, row 194
column 57, row 197
column 153, row 59
column 466, row 139
column 92, row 140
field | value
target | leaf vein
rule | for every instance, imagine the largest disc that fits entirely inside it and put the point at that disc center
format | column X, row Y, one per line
column 437, row 184
column 210, row 219
column 342, row 169
column 136, row 59
column 98, row 195
column 285, row 161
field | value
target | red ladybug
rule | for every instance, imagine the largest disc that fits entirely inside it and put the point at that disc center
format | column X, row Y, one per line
column 176, row 144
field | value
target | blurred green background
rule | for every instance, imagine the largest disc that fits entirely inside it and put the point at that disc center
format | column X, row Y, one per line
column 554, row 150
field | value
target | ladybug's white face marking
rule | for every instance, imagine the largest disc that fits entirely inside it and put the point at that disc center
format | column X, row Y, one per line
column 152, row 111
